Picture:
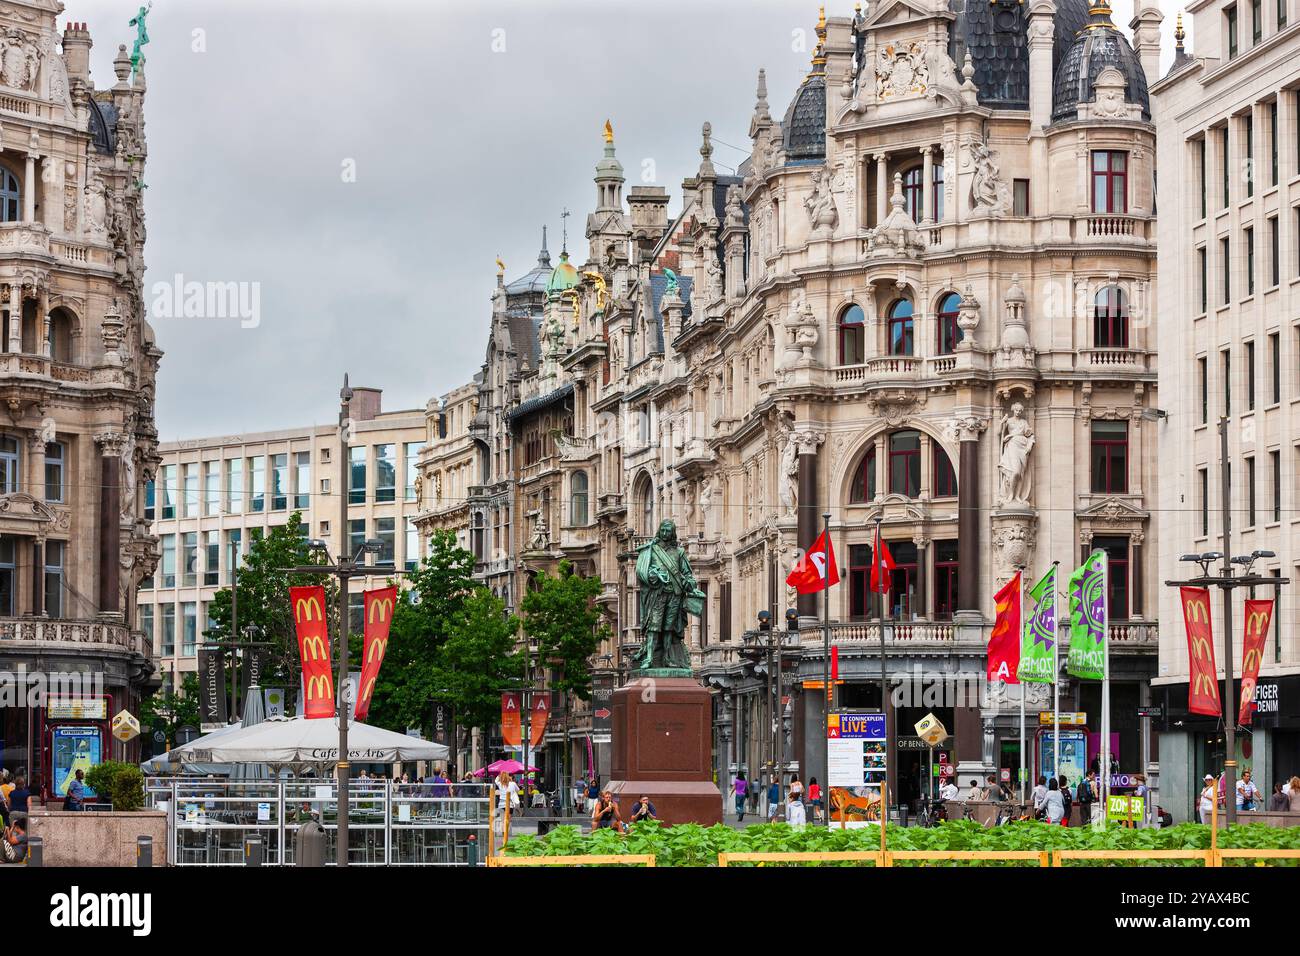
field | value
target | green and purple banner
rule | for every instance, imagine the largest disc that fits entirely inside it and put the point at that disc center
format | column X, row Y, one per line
column 1088, row 618
column 1038, row 640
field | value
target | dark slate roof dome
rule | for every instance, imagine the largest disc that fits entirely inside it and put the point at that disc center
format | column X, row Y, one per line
column 997, row 36
column 1098, row 47
column 805, row 121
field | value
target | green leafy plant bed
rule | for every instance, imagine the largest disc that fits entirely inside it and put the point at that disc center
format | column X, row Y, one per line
column 694, row 845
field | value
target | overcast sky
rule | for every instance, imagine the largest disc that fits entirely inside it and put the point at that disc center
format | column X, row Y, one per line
column 469, row 125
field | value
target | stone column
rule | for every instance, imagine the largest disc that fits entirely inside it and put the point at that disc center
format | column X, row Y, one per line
column 1042, row 14
column 927, row 185
column 922, row 576
column 1136, row 592
column 882, row 187
column 43, row 320
column 29, row 190
column 38, row 576
column 15, row 317
column 110, row 544
column 36, row 469
column 808, row 514
column 968, row 515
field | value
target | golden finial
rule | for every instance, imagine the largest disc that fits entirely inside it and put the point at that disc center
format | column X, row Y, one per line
column 821, row 19
column 1179, row 33
column 501, row 267
column 609, row 131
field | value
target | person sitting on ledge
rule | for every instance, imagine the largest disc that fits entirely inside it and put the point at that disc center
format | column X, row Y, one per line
column 645, row 810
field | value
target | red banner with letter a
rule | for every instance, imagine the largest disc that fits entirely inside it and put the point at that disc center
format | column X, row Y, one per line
column 308, row 605
column 1259, row 615
column 377, row 607
column 511, row 725
column 537, row 720
column 1202, row 675
column 1004, row 642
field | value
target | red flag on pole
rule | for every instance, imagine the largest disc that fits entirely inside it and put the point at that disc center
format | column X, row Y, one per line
column 377, row 606
column 541, row 713
column 1004, row 641
column 881, row 559
column 1259, row 615
column 308, row 604
column 815, row 570
column 1202, row 675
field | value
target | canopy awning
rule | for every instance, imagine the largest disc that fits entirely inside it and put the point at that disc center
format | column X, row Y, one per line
column 299, row 742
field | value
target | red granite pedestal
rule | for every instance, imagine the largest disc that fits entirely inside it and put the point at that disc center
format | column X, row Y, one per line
column 662, row 749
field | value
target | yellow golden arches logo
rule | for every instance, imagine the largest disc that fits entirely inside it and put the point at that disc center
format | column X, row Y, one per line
column 314, row 649
column 1205, row 685
column 384, row 607
column 1256, row 623
column 320, row 686
column 304, row 608
column 377, row 646
column 1251, row 660
column 1198, row 611
column 1201, row 649
column 368, row 689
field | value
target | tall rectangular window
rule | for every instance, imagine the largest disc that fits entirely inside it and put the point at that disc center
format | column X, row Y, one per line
column 385, row 472
column 1109, row 457
column 301, row 480
column 1204, row 178
column 1248, row 131
column 1250, row 492
column 168, row 630
column 386, row 532
column 1256, row 21
column 1274, row 368
column 257, row 484
column 1226, row 166
column 189, row 558
column 1273, row 163
column 357, row 475
column 1281, row 13
column 1230, row 17
column 168, row 561
column 190, row 631
column 169, row 492
column 211, row 558
column 1274, row 254
column 1250, row 376
column 54, row 555
column 235, row 486
column 1225, row 253
column 356, row 535
column 54, row 487
column 234, row 550
column 1117, row 558
column 1203, row 374
column 1227, row 383
column 1020, row 197
column 1275, row 482
column 211, row 487
column 280, row 481
column 411, row 546
column 1203, row 271
column 1249, row 240
column 411, row 462
column 150, row 499
column 945, row 579
column 1109, row 181
column 190, row 503
column 145, row 616
column 1204, row 491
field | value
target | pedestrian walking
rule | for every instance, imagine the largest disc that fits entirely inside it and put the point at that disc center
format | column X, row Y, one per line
column 739, row 790
column 1279, row 800
column 1038, row 794
column 579, row 793
column 1054, row 803
column 774, row 799
column 1209, row 796
column 795, row 815
column 1293, row 798
column 76, row 798
column 1063, row 784
column 796, row 787
column 815, row 798
column 1247, row 793
column 593, row 793
column 1087, row 796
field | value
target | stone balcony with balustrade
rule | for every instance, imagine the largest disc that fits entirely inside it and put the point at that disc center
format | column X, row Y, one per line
column 72, row 635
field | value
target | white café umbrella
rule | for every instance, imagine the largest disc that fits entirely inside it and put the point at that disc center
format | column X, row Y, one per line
column 299, row 743
column 254, row 714
column 174, row 761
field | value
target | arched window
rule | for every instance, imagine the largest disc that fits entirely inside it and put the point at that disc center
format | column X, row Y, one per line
column 578, row 499
column 1110, row 319
column 863, row 488
column 901, row 328
column 945, row 479
column 905, row 463
column 913, row 193
column 10, row 197
column 853, row 349
column 645, row 500
column 949, row 332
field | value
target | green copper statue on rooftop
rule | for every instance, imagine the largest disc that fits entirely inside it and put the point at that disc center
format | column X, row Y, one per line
column 141, row 36
column 668, row 595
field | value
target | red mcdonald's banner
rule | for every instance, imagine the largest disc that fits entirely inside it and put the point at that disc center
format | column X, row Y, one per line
column 1202, row 675
column 511, row 726
column 1259, row 615
column 314, row 650
column 538, row 718
column 377, row 608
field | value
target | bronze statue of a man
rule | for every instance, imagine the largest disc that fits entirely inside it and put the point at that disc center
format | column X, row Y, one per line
column 668, row 595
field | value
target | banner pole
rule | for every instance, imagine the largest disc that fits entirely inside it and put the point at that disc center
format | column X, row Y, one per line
column 827, row 688
column 1056, row 670
column 1021, row 772
column 884, row 685
column 1105, row 684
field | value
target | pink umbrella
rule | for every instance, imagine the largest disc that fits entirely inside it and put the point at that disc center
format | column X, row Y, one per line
column 509, row 766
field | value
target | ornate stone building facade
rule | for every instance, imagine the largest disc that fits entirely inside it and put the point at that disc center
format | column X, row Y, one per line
column 77, row 379
column 1227, row 116
column 923, row 300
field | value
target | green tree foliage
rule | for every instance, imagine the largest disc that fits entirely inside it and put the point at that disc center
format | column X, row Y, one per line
column 168, row 710
column 263, row 584
column 480, row 659
column 561, row 614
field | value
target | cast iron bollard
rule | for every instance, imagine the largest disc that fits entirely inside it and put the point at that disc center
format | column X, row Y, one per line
column 144, row 851
column 253, row 851
column 309, row 844
column 472, row 853
column 35, row 851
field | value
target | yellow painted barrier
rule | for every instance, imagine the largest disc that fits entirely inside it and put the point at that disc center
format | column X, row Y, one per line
column 829, row 856
column 626, row 859
column 1248, row 854
column 1205, row 856
column 1038, row 856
